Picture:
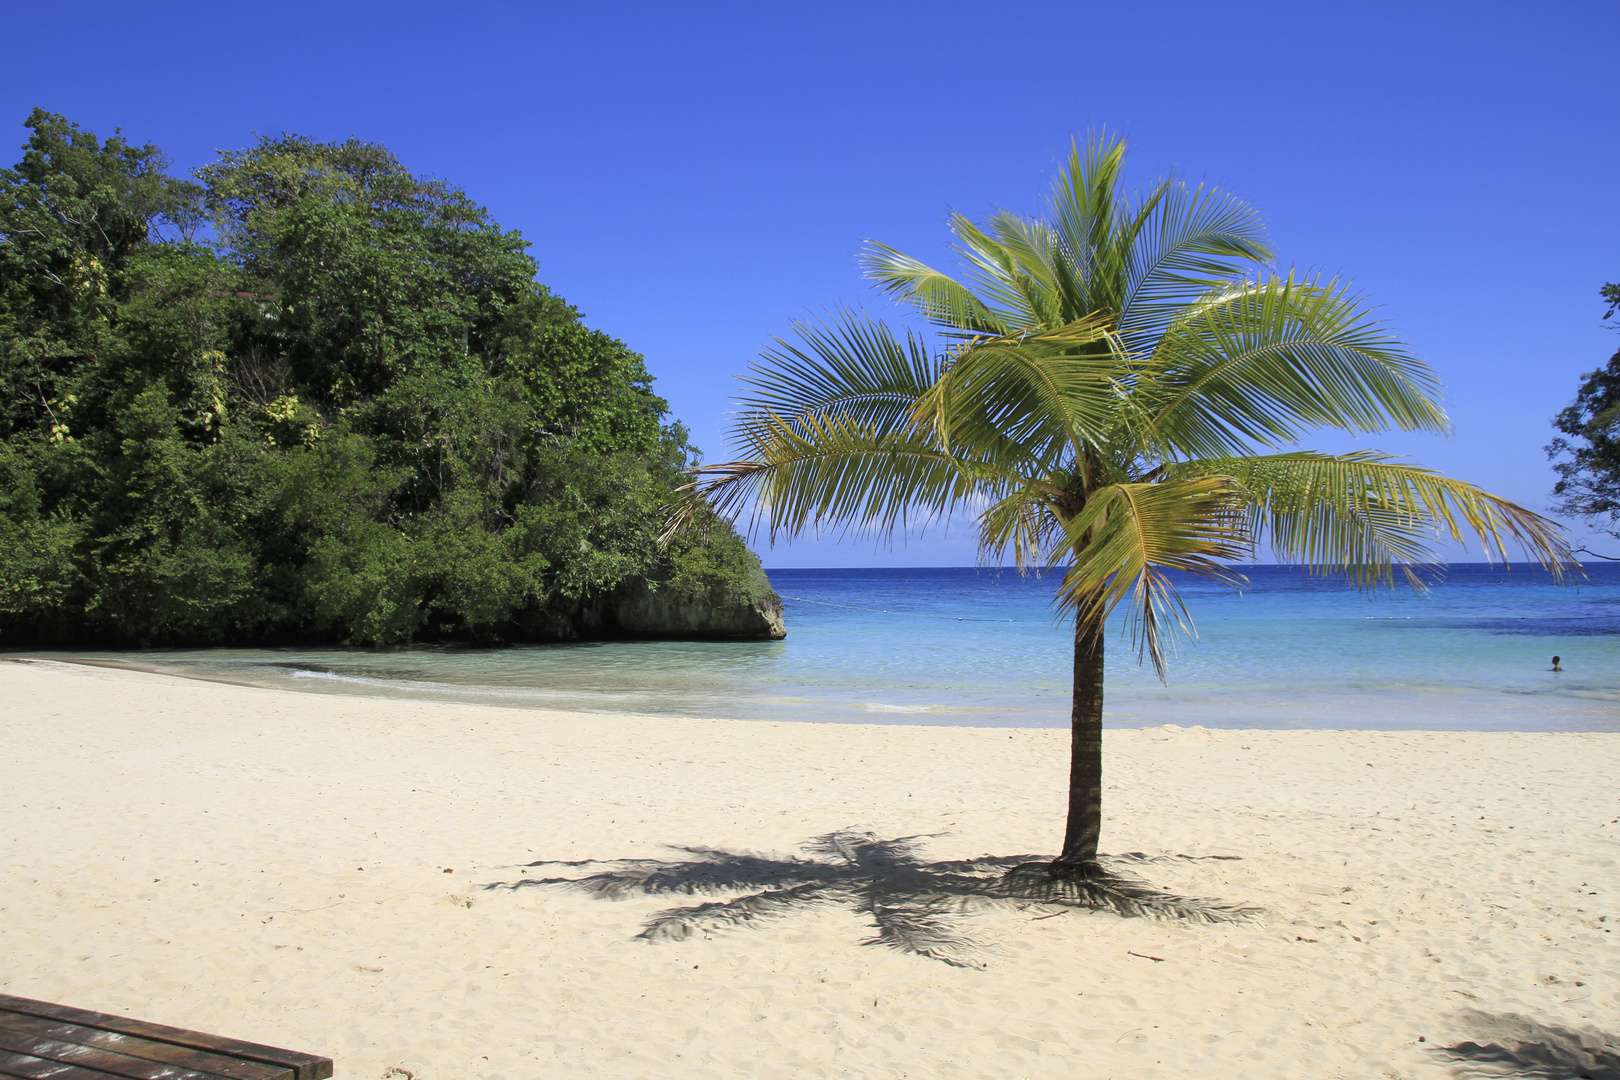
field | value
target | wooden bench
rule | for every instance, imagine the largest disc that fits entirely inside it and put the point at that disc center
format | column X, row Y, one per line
column 41, row 1041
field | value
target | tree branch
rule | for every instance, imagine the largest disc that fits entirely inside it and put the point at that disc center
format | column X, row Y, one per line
column 1595, row 555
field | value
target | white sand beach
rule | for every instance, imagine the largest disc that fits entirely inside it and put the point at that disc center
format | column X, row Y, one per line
column 314, row 872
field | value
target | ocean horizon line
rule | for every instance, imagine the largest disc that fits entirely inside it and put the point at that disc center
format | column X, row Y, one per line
column 1442, row 564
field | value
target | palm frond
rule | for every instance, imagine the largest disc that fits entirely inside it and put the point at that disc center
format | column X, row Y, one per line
column 1108, row 379
column 818, row 469
column 1084, row 213
column 1043, row 392
column 1181, row 245
column 686, row 512
column 936, row 295
column 1037, row 247
column 1366, row 517
column 1127, row 535
column 1009, row 269
column 1267, row 361
column 850, row 367
column 1023, row 523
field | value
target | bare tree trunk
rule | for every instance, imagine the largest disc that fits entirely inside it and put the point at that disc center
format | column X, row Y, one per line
column 1079, row 858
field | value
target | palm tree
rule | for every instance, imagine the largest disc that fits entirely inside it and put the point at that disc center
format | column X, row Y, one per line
column 1116, row 388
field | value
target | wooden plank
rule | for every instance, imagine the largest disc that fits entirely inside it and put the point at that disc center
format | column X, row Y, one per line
column 24, row 1067
column 90, row 1057
column 304, row 1066
column 200, row 1061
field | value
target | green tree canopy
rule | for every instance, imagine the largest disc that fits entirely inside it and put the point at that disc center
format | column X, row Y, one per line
column 1116, row 387
column 1586, row 453
column 306, row 396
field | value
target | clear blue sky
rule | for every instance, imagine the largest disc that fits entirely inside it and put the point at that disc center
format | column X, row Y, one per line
column 694, row 175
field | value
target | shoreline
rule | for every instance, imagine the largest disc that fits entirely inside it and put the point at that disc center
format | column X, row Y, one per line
column 1262, row 709
column 271, row 865
column 125, row 665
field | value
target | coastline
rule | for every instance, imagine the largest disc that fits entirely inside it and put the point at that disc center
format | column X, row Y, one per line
column 649, row 680
column 953, row 646
column 191, row 853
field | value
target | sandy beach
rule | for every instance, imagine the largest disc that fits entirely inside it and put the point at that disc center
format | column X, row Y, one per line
column 346, row 876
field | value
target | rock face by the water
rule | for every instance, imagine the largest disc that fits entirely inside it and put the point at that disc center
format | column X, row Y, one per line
column 645, row 609
column 704, row 584
column 737, row 607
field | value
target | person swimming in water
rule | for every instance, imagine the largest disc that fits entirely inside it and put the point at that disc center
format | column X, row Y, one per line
column 1556, row 665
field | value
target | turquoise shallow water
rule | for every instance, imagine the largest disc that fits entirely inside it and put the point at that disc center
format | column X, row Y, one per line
column 962, row 646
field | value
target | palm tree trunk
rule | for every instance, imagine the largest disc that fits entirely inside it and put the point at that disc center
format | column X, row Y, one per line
column 1079, row 858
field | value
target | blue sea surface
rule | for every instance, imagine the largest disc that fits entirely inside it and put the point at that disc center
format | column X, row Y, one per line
column 978, row 647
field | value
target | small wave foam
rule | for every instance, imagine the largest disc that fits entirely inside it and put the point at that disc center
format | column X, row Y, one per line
column 361, row 680
column 878, row 707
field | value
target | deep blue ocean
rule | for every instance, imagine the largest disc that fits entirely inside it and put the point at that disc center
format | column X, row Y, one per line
column 969, row 646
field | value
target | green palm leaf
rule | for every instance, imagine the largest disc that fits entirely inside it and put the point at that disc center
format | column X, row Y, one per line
column 1183, row 244
column 1127, row 535
column 1010, row 269
column 820, row 468
column 1266, row 362
column 849, row 368
column 1025, row 525
column 1365, row 517
column 1033, row 399
column 1085, row 211
column 937, row 296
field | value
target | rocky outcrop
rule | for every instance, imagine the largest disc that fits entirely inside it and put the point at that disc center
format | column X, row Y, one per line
column 749, row 610
column 705, row 583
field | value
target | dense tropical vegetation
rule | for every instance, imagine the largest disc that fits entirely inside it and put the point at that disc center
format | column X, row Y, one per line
column 1118, row 388
column 1586, row 452
column 307, row 395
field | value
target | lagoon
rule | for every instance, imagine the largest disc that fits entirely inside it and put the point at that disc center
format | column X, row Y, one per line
column 978, row 647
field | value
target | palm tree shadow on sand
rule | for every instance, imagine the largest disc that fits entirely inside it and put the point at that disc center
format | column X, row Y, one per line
column 1516, row 1046
column 915, row 906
